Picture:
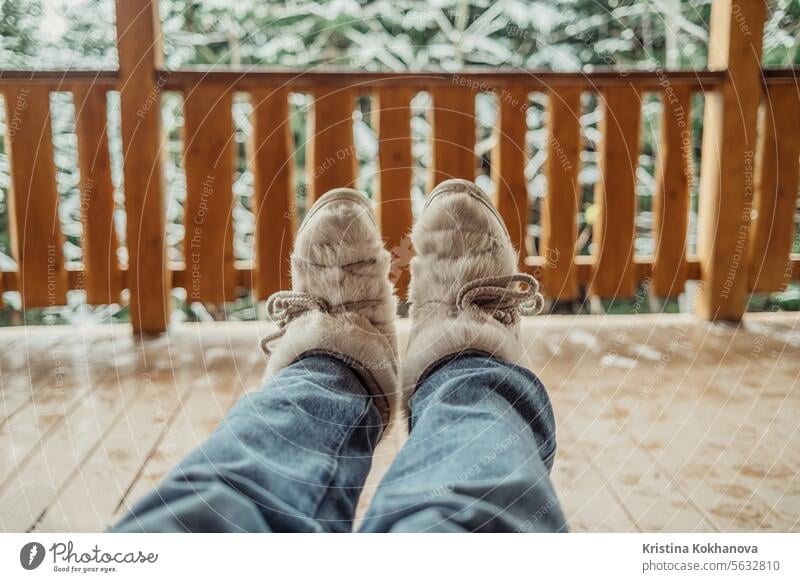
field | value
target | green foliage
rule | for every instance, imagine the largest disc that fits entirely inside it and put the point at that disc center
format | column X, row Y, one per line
column 18, row 31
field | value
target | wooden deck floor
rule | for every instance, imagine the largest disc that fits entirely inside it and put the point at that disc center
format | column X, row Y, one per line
column 665, row 423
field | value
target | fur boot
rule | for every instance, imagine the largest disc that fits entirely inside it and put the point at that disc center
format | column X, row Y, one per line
column 466, row 294
column 342, row 302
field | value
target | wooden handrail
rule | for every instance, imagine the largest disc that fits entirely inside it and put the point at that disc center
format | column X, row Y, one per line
column 55, row 78
column 475, row 79
column 244, row 78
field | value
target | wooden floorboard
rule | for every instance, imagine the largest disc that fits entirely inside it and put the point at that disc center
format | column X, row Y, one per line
column 192, row 424
column 665, row 423
column 35, row 423
column 112, row 469
column 32, row 366
column 584, row 491
column 28, row 493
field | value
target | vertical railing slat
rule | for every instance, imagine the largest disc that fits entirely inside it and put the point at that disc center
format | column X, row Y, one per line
column 509, row 157
column 393, row 124
column 102, row 278
column 453, row 136
column 615, row 193
column 560, row 211
column 726, row 169
column 35, row 231
column 330, row 151
column 671, row 200
column 139, row 48
column 775, row 204
column 208, row 239
column 274, row 196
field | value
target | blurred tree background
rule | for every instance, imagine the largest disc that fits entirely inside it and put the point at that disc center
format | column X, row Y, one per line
column 380, row 35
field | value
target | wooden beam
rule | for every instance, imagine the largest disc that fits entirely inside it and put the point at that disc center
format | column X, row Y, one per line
column 208, row 217
column 392, row 112
column 330, row 151
column 671, row 200
column 560, row 210
column 139, row 47
column 642, row 269
column 727, row 165
column 775, row 204
column 453, row 136
column 36, row 240
column 583, row 267
column 103, row 282
column 274, row 196
column 246, row 78
column 509, row 158
column 615, row 193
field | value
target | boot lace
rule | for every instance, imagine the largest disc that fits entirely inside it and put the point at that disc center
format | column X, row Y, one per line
column 284, row 307
column 504, row 297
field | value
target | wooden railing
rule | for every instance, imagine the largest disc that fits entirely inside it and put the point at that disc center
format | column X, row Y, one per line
column 748, row 193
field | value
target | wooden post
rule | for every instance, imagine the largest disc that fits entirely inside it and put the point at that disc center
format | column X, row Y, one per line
column 772, row 231
column 139, row 47
column 727, row 165
column 560, row 211
column 208, row 161
column 393, row 210
column 330, row 151
column 36, row 239
column 453, row 136
column 273, row 196
column 671, row 200
column 509, row 157
column 103, row 280
column 615, row 193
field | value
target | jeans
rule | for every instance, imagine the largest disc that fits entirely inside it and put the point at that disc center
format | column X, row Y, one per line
column 293, row 457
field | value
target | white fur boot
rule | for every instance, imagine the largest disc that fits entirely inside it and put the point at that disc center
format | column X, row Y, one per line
column 342, row 302
column 466, row 294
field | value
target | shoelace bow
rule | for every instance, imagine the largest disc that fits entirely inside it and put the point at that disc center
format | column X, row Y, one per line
column 504, row 297
column 284, row 307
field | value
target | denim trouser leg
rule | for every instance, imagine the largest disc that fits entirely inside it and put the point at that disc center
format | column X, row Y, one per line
column 478, row 457
column 290, row 457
